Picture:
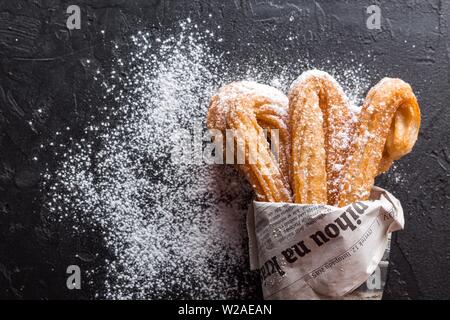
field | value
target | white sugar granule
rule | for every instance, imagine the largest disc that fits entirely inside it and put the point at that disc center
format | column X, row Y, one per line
column 175, row 230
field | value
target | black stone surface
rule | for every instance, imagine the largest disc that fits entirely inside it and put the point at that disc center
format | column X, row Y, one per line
column 42, row 67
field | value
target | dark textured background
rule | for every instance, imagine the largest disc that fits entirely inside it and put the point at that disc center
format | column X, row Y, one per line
column 43, row 67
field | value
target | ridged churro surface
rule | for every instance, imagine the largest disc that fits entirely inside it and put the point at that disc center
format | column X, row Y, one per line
column 387, row 129
column 244, row 109
column 321, row 129
column 327, row 154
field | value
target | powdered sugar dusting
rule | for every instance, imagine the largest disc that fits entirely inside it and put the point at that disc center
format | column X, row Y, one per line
column 173, row 229
column 253, row 90
column 265, row 91
column 314, row 73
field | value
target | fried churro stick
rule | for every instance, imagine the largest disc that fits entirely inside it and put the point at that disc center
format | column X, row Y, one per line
column 387, row 129
column 402, row 136
column 321, row 129
column 247, row 108
column 260, row 167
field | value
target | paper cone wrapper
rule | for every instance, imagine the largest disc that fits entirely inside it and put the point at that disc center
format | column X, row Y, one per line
column 321, row 251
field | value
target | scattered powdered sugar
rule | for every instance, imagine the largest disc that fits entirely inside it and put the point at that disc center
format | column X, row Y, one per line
column 356, row 81
column 395, row 175
column 174, row 230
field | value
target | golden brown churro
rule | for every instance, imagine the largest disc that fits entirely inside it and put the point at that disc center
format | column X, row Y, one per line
column 325, row 156
column 321, row 130
column 388, row 127
column 247, row 108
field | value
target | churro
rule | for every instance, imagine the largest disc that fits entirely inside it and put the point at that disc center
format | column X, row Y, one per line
column 387, row 129
column 326, row 153
column 247, row 108
column 321, row 130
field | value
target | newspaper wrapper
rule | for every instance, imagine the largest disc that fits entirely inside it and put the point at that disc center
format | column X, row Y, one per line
column 321, row 251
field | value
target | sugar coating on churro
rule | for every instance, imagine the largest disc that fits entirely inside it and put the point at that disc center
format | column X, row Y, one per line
column 387, row 129
column 247, row 108
column 330, row 154
column 261, row 93
column 318, row 92
column 338, row 164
